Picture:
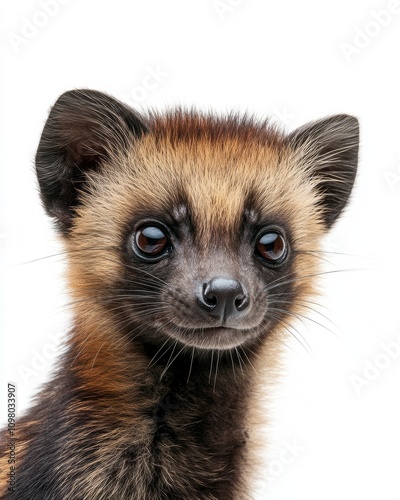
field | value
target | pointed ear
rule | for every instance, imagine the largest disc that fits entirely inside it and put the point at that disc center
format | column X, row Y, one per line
column 330, row 149
column 84, row 128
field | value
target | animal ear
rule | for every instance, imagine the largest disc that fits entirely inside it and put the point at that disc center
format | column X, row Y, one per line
column 330, row 149
column 84, row 128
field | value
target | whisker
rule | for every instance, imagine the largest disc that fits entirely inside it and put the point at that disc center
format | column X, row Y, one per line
column 301, row 317
column 306, row 276
column 251, row 364
column 169, row 364
column 216, row 370
column 191, row 363
column 211, row 365
column 328, row 252
column 303, row 304
column 288, row 327
column 240, row 360
column 233, row 366
column 63, row 253
column 150, row 364
column 169, row 359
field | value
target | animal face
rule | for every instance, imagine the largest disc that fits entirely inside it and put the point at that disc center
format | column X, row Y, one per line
column 190, row 227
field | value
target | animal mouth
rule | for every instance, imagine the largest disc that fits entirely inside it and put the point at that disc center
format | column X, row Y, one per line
column 212, row 337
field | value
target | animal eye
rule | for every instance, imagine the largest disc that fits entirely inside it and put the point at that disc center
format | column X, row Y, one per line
column 271, row 247
column 151, row 241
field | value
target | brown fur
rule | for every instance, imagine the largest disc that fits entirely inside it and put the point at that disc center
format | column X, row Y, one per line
column 125, row 422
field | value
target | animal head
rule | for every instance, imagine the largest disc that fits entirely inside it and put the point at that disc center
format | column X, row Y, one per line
column 188, row 226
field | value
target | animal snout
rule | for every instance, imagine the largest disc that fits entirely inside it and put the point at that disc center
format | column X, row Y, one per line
column 223, row 298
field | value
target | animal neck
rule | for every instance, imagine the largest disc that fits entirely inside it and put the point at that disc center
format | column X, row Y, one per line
column 188, row 410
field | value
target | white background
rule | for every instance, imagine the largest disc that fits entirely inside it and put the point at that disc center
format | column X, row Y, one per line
column 295, row 61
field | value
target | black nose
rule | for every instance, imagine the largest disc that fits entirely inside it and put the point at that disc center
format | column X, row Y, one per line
column 223, row 298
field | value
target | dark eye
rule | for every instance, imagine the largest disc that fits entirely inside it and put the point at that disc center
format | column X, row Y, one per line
column 271, row 247
column 151, row 241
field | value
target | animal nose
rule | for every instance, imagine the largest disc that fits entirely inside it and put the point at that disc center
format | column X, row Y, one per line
column 223, row 298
